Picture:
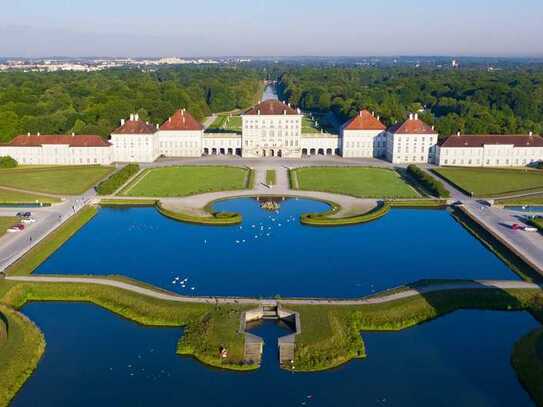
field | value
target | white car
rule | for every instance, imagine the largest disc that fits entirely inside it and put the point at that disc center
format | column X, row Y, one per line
column 28, row 220
column 530, row 229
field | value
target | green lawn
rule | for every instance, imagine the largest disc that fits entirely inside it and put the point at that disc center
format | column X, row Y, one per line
column 183, row 181
column 527, row 200
column 60, row 180
column 356, row 181
column 493, row 182
column 226, row 123
column 308, row 126
column 6, row 222
column 271, row 177
column 14, row 197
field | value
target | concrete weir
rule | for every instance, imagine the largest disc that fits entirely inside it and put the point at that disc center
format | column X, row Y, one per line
column 254, row 344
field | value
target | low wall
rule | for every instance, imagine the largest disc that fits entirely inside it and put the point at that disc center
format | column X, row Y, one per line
column 252, row 353
column 287, row 343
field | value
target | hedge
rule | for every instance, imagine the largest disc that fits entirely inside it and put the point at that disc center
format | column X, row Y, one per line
column 116, row 180
column 7, row 162
column 325, row 219
column 431, row 184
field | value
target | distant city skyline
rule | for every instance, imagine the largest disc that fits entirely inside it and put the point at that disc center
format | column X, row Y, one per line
column 213, row 28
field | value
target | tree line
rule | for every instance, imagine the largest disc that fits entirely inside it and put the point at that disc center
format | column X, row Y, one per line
column 474, row 101
column 94, row 102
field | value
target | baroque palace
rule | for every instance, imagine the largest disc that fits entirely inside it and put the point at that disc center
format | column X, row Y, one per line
column 274, row 129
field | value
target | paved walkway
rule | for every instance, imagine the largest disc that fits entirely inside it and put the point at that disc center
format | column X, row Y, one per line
column 528, row 245
column 461, row 285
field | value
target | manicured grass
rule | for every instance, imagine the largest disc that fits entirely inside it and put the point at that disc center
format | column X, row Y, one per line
column 14, row 197
column 361, row 182
column 308, row 126
column 330, row 333
column 60, row 180
column 118, row 179
column 493, row 182
column 189, row 180
column 39, row 253
column 538, row 223
column 19, row 354
column 6, row 222
column 325, row 219
column 271, row 177
column 536, row 200
column 214, row 218
column 207, row 326
column 225, row 123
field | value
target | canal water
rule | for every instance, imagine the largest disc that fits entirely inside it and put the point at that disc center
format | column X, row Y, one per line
column 270, row 93
column 273, row 254
column 96, row 358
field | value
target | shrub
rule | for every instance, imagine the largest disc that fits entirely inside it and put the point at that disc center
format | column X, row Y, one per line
column 7, row 162
column 116, row 180
column 431, row 184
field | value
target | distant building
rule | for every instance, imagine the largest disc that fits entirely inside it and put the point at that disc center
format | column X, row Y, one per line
column 39, row 149
column 490, row 150
column 135, row 141
column 181, row 136
column 412, row 141
column 363, row 136
column 274, row 129
column 271, row 129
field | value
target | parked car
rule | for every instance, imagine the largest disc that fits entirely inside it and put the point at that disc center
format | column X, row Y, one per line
column 16, row 228
column 530, row 229
column 516, row 226
column 24, row 214
column 28, row 220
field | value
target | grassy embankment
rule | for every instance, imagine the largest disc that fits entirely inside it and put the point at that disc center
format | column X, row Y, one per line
column 15, row 197
column 6, row 222
column 360, row 182
column 271, row 177
column 60, row 180
column 428, row 183
column 20, row 351
column 532, row 200
column 188, row 180
column 538, row 223
column 326, row 219
column 330, row 334
column 495, row 182
column 214, row 218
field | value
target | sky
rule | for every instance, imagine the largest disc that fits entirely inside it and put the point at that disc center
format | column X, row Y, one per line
column 39, row 28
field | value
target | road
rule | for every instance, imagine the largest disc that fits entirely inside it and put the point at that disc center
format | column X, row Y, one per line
column 408, row 293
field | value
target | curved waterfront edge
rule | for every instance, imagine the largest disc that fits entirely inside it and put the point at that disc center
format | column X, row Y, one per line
column 527, row 360
column 20, row 352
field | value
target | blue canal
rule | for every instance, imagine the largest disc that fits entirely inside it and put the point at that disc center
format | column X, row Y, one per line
column 273, row 254
column 96, row 358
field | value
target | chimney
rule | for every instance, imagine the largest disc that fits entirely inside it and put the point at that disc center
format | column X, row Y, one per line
column 157, row 126
column 433, row 127
column 38, row 133
column 416, row 116
column 378, row 117
column 131, row 116
column 284, row 112
column 299, row 111
column 258, row 112
column 28, row 134
column 530, row 134
column 373, row 114
column 73, row 134
column 122, row 122
column 410, row 116
column 136, row 117
column 457, row 133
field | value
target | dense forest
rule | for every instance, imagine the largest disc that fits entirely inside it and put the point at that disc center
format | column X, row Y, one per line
column 468, row 100
column 93, row 103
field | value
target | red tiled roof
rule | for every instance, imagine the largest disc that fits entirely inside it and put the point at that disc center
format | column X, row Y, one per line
column 480, row 140
column 181, row 120
column 35, row 140
column 135, row 127
column 413, row 125
column 272, row 107
column 364, row 121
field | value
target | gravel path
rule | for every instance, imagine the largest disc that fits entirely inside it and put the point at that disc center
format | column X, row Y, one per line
column 461, row 285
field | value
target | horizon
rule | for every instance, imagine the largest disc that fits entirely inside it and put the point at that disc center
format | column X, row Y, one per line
column 477, row 28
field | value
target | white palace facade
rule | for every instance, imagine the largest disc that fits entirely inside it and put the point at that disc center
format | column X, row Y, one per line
column 274, row 129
